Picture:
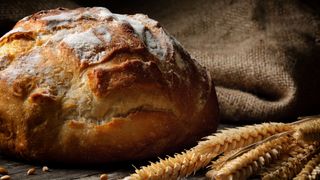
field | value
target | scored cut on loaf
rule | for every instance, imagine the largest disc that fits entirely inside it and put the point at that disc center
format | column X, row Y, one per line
column 90, row 86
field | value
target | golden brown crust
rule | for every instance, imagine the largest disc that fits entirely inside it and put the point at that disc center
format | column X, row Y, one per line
column 89, row 86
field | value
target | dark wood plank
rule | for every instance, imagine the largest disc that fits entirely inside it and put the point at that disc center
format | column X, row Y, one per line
column 18, row 170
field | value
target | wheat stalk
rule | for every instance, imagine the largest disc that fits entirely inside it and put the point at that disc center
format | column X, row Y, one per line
column 190, row 161
column 306, row 172
column 250, row 162
column 217, row 164
column 299, row 155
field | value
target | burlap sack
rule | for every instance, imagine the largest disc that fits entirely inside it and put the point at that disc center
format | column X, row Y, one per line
column 264, row 56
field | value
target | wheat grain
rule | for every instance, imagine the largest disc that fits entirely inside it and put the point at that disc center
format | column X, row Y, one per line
column 190, row 161
column 298, row 157
column 3, row 171
column 315, row 174
column 103, row 177
column 31, row 171
column 250, row 162
column 308, row 168
column 45, row 169
column 309, row 130
column 5, row 177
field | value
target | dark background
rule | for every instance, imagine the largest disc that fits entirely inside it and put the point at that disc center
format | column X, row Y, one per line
column 13, row 10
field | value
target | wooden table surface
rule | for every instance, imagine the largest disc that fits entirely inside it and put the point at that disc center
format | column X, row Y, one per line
column 18, row 170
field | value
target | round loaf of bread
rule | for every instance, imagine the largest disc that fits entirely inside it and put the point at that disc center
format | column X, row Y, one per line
column 90, row 86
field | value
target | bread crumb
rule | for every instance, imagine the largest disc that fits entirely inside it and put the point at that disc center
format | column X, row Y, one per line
column 45, row 169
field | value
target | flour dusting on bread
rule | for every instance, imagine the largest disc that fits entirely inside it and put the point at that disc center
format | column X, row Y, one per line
column 26, row 66
column 83, row 44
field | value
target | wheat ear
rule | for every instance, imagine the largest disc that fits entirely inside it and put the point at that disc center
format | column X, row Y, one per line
column 217, row 164
column 190, row 161
column 299, row 156
column 308, row 130
column 308, row 168
column 245, row 164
